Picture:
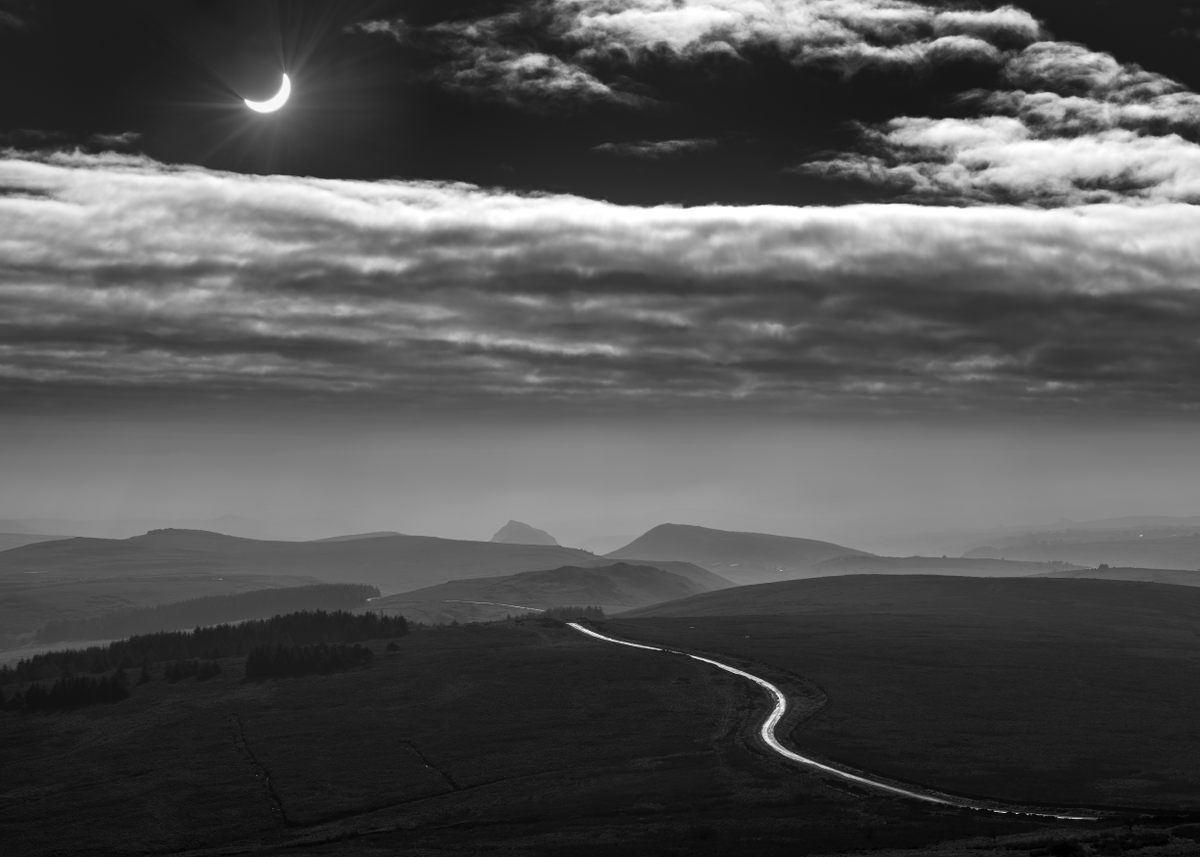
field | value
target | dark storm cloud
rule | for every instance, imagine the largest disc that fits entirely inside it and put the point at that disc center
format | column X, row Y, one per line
column 125, row 274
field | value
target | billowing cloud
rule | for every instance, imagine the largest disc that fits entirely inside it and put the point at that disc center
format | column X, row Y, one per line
column 599, row 49
column 121, row 274
column 1040, row 122
column 1000, row 158
column 848, row 34
column 1077, row 127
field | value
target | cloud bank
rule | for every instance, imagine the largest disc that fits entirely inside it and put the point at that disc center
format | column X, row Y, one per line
column 1037, row 122
column 121, row 274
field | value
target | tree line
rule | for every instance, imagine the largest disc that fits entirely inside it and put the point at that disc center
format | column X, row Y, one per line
column 72, row 692
column 306, row 627
column 571, row 614
column 209, row 610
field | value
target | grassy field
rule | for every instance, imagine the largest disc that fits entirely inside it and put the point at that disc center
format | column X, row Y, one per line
column 1063, row 704
column 504, row 739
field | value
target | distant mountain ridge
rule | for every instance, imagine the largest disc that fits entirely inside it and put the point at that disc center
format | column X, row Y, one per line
column 741, row 557
column 393, row 563
column 519, row 533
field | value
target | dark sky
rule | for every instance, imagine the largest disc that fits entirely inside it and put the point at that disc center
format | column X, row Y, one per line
column 896, row 226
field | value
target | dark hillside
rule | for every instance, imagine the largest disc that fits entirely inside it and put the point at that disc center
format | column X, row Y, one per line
column 937, row 595
column 1178, row 577
column 741, row 557
column 612, row 587
column 1050, row 690
column 961, row 566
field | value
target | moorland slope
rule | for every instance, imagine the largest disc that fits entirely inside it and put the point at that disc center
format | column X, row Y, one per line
column 505, row 739
column 934, row 595
column 1176, row 576
column 612, row 587
column 1042, row 689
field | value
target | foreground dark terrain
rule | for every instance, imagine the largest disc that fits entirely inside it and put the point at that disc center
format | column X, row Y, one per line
column 507, row 738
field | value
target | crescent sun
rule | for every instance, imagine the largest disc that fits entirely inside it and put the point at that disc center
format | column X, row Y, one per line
column 275, row 101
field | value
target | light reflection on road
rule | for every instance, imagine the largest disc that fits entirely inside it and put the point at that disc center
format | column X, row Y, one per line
column 493, row 604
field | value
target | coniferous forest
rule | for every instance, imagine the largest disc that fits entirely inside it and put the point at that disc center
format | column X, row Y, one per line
column 200, row 670
column 294, row 629
column 571, row 614
column 72, row 692
column 210, row 610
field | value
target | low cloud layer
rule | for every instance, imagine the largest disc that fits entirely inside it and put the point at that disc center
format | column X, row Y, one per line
column 121, row 274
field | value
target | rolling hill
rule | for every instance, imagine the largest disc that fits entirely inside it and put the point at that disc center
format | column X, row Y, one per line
column 962, row 566
column 961, row 542
column 741, row 557
column 933, row 595
column 613, row 587
column 353, row 537
column 8, row 541
column 84, row 577
column 1131, row 550
column 1175, row 576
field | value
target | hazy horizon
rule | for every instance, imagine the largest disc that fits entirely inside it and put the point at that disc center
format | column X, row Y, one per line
column 855, row 483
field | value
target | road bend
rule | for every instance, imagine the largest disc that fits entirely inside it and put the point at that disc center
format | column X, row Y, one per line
column 494, row 604
column 767, row 733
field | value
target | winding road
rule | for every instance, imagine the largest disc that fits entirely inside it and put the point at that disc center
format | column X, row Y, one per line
column 767, row 733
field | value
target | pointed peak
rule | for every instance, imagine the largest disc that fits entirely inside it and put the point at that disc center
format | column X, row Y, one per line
column 520, row 533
